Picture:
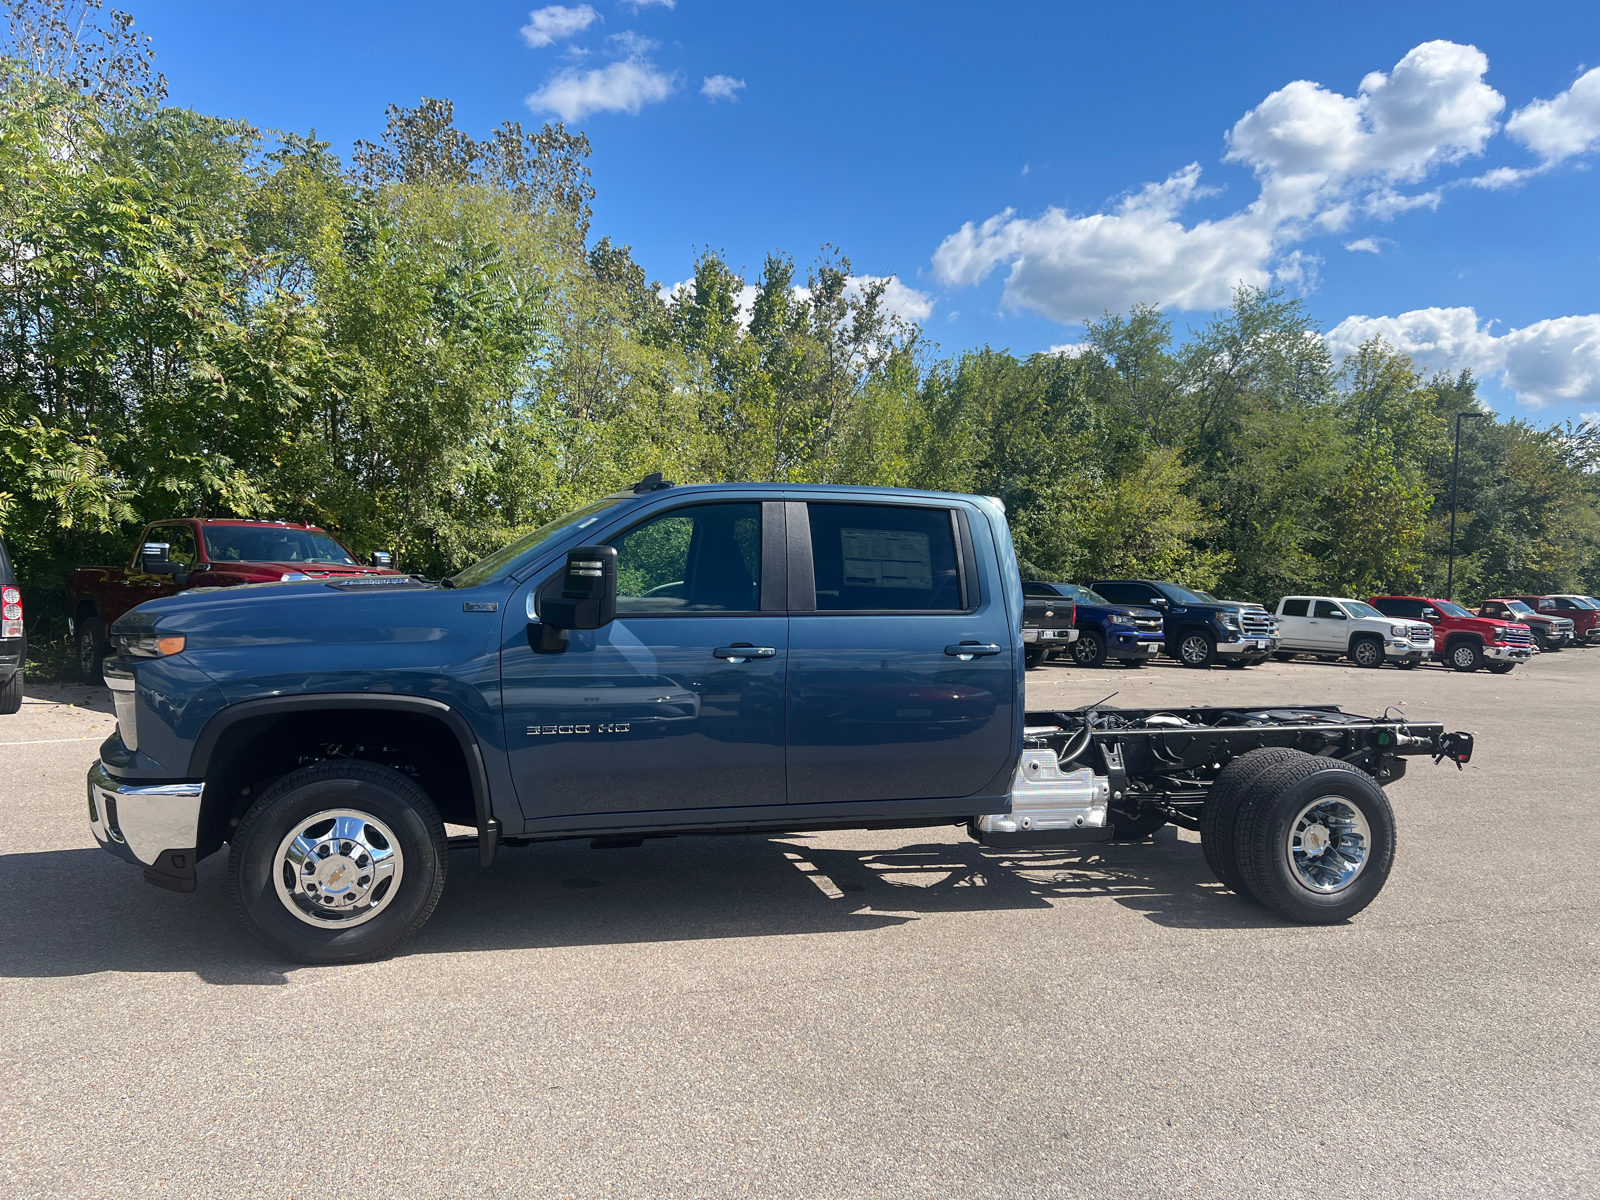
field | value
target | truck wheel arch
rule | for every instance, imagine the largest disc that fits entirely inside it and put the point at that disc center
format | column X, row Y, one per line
column 252, row 715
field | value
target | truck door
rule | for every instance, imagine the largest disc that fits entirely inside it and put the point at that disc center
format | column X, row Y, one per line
column 1294, row 623
column 1330, row 627
column 901, row 681
column 678, row 703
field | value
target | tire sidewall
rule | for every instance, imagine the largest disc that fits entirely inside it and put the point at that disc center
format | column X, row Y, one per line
column 90, row 650
column 301, row 795
column 1088, row 639
column 1465, row 657
column 1372, row 648
column 1205, row 638
column 1287, row 894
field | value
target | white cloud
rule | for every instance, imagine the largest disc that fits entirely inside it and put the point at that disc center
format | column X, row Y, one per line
column 1548, row 362
column 620, row 87
column 636, row 5
column 1561, row 128
column 898, row 300
column 1589, row 418
column 1070, row 350
column 1369, row 245
column 634, row 45
column 1321, row 159
column 547, row 26
column 721, row 87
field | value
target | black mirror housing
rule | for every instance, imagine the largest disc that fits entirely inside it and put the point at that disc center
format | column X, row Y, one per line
column 588, row 597
column 382, row 559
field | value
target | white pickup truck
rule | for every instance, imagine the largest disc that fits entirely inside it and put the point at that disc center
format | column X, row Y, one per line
column 1337, row 626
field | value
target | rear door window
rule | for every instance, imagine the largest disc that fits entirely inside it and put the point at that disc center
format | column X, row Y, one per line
column 884, row 558
column 1296, row 608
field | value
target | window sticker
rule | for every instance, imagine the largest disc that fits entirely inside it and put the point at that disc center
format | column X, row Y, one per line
column 887, row 558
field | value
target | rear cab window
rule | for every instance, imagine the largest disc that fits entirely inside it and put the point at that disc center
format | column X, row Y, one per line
column 885, row 558
column 1298, row 607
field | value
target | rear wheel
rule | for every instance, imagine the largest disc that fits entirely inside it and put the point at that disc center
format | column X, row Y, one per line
column 1367, row 652
column 1541, row 641
column 1465, row 657
column 1089, row 650
column 1238, row 664
column 1405, row 664
column 11, row 693
column 1314, row 839
column 337, row 862
column 1033, row 656
column 1501, row 668
column 91, row 647
column 1196, row 648
column 1218, row 813
column 1283, row 656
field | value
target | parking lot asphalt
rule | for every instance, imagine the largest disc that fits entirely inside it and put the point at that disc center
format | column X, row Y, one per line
column 888, row 1014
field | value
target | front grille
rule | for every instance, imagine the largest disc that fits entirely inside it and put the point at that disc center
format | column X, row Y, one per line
column 1257, row 624
column 1147, row 624
column 1420, row 633
column 1518, row 637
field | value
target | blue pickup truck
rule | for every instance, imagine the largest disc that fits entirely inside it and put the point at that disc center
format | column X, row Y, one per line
column 720, row 659
column 1128, row 634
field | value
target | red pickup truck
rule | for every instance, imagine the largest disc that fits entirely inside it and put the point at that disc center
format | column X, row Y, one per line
column 183, row 553
column 1580, row 610
column 1462, row 639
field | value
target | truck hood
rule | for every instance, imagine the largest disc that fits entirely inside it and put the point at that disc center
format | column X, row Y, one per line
column 310, row 570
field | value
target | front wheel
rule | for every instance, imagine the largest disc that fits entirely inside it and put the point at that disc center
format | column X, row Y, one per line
column 337, row 862
column 1314, row 839
column 91, row 648
column 1196, row 649
column 1089, row 650
column 1367, row 652
column 1466, row 657
column 1501, row 668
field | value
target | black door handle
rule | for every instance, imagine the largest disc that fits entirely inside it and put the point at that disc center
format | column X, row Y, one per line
column 743, row 652
column 966, row 651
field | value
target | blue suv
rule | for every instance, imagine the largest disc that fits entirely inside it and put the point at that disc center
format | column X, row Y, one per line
column 1127, row 633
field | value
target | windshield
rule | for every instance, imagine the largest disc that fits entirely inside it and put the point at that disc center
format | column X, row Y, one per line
column 1517, row 606
column 486, row 569
column 1208, row 598
column 1180, row 595
column 1584, row 602
column 274, row 544
column 1450, row 608
column 1081, row 595
column 1358, row 609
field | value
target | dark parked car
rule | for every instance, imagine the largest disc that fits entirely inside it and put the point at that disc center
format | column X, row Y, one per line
column 13, row 638
column 1199, row 632
column 1128, row 634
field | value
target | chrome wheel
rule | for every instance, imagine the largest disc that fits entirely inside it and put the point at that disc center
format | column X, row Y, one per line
column 1327, row 845
column 338, row 869
column 1195, row 650
column 1368, row 653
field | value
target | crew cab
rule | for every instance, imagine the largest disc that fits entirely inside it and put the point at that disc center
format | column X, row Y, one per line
column 174, row 555
column 1582, row 611
column 1550, row 632
column 1129, row 635
column 1046, row 624
column 1337, row 626
column 1198, row 632
column 13, row 637
column 1462, row 639
column 708, row 659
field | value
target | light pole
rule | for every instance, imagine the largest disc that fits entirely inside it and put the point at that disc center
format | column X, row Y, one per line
column 1455, row 489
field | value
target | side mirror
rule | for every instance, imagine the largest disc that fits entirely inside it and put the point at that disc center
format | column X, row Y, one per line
column 1158, row 602
column 383, row 559
column 1429, row 614
column 588, row 598
column 1338, row 615
column 157, row 562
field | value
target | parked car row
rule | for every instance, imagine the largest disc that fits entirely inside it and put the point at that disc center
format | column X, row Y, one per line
column 1131, row 620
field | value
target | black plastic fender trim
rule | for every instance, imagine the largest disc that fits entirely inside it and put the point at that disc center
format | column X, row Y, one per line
column 488, row 826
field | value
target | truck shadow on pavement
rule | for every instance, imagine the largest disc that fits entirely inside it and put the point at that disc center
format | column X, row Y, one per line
column 78, row 912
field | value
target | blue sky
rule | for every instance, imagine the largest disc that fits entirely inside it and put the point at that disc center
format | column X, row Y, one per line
column 1425, row 167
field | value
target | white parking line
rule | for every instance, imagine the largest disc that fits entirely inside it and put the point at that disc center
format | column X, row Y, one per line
column 48, row 741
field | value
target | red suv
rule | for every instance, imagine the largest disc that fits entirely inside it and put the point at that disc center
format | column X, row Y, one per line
column 1462, row 639
column 1580, row 610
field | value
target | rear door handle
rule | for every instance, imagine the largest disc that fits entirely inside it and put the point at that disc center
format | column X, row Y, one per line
column 967, row 651
column 743, row 652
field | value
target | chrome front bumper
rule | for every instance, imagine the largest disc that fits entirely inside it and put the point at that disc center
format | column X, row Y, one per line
column 1504, row 653
column 1249, row 645
column 153, row 825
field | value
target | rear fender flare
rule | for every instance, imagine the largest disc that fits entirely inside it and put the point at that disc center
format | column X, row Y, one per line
column 488, row 827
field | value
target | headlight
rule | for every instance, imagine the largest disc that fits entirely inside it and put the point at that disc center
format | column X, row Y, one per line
column 150, row 645
column 1122, row 619
column 1400, row 632
column 1228, row 620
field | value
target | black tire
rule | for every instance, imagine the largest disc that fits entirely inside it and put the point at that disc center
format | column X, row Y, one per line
column 1133, row 662
column 90, row 641
column 11, row 693
column 1283, row 656
column 1089, row 650
column 1238, row 664
column 1218, row 813
column 1367, row 652
column 376, row 792
column 1406, row 664
column 1034, row 656
column 1125, row 828
column 1265, row 829
column 1195, row 648
column 1502, row 668
column 1465, row 656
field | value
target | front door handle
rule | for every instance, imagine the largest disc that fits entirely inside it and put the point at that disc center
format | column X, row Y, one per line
column 743, row 652
column 967, row 651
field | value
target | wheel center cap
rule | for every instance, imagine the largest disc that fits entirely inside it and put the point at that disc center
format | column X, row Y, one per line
column 336, row 874
column 1315, row 840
